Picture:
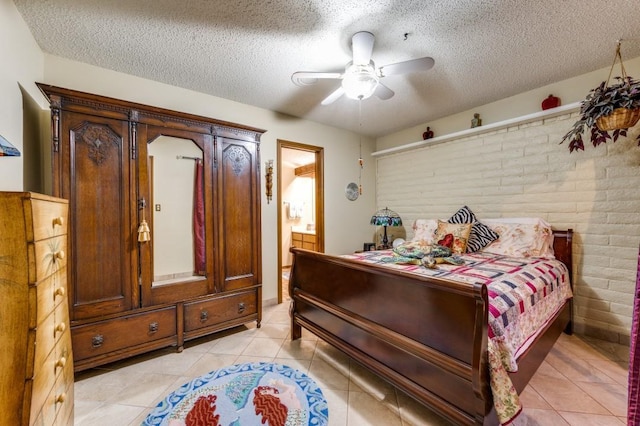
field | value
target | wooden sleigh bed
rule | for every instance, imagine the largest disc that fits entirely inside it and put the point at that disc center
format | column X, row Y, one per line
column 426, row 336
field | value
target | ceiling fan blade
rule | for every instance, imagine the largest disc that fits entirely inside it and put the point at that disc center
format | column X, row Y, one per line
column 306, row 78
column 406, row 67
column 333, row 96
column 383, row 92
column 362, row 47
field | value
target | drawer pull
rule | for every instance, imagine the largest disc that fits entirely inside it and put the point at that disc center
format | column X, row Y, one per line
column 60, row 291
column 59, row 221
column 153, row 327
column 61, row 398
column 204, row 316
column 241, row 307
column 97, row 340
column 61, row 362
column 58, row 255
column 60, row 328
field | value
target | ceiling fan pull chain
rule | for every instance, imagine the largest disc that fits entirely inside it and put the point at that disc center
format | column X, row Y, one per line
column 360, row 160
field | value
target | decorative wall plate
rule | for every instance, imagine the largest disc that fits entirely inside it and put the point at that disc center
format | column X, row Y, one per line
column 351, row 191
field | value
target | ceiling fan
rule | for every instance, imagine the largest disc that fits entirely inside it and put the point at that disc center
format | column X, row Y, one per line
column 361, row 78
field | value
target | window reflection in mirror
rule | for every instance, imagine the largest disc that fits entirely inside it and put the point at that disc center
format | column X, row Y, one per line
column 178, row 253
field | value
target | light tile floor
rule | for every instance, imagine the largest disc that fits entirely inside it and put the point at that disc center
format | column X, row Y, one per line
column 582, row 381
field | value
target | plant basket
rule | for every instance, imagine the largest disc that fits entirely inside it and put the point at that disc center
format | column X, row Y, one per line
column 620, row 118
column 608, row 111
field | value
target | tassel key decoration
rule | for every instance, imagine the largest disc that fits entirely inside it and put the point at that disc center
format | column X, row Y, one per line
column 144, row 233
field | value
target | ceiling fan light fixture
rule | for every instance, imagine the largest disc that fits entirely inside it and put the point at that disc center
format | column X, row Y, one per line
column 360, row 81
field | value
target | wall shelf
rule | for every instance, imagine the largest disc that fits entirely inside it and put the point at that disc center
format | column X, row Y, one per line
column 553, row 112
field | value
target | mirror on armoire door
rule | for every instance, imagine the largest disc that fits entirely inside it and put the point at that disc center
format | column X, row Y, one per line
column 177, row 206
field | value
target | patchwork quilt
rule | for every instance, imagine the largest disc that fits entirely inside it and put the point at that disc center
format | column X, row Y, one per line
column 524, row 294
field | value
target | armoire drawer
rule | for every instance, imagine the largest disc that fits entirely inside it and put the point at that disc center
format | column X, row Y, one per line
column 215, row 311
column 124, row 332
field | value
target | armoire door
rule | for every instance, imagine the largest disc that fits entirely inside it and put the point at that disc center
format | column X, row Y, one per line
column 95, row 172
column 239, row 219
column 176, row 180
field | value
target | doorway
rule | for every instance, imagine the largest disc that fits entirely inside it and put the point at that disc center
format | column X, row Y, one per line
column 300, row 177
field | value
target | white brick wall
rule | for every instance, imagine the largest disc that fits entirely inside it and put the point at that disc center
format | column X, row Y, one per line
column 524, row 171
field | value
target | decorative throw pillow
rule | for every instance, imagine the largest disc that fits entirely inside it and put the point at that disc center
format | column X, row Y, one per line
column 481, row 235
column 533, row 238
column 424, row 231
column 453, row 235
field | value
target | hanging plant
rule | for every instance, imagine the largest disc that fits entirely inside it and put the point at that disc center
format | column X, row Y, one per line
column 608, row 111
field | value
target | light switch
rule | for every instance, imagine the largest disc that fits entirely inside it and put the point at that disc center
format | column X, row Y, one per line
column 158, row 207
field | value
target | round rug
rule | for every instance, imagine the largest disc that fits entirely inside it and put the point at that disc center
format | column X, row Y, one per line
column 248, row 394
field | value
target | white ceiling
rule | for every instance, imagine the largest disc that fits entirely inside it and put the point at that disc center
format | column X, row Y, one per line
column 295, row 157
column 246, row 51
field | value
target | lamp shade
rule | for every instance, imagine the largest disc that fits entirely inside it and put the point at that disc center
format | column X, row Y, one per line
column 386, row 217
column 360, row 81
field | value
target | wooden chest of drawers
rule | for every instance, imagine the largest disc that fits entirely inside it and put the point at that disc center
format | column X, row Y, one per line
column 36, row 384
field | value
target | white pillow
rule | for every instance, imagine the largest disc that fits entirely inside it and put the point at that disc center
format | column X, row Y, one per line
column 521, row 237
column 424, row 231
column 530, row 220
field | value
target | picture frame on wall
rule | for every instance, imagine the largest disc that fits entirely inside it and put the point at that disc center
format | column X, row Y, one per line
column 7, row 149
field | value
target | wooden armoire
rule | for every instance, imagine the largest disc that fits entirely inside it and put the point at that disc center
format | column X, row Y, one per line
column 164, row 232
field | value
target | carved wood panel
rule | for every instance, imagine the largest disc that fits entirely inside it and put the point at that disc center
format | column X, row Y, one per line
column 97, row 176
column 239, row 210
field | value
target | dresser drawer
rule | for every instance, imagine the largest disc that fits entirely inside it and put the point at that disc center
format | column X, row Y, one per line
column 53, row 400
column 216, row 311
column 63, row 399
column 48, row 372
column 48, row 333
column 49, row 293
column 120, row 333
column 48, row 218
column 64, row 416
column 49, row 256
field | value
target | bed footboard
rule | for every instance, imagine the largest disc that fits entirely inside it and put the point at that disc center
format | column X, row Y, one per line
column 436, row 351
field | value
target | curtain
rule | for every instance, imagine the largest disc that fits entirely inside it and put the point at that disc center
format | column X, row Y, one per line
column 198, row 221
column 633, row 402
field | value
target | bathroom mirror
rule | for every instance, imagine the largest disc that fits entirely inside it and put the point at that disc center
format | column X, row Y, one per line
column 177, row 204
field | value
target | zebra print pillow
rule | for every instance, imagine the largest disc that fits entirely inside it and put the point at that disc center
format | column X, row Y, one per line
column 481, row 235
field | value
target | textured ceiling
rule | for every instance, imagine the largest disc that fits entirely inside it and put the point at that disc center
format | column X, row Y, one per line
column 246, row 51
